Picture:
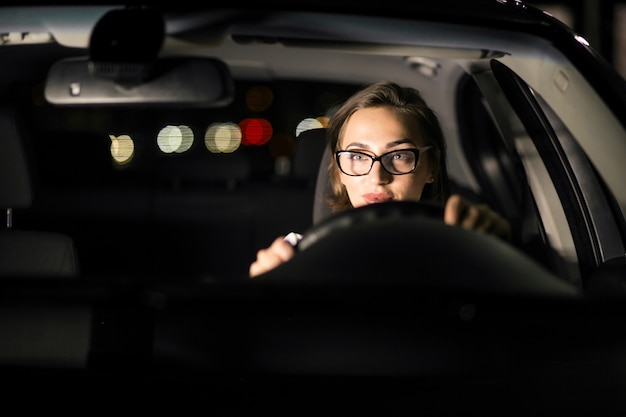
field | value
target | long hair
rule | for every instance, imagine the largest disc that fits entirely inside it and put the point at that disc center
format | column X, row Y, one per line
column 403, row 99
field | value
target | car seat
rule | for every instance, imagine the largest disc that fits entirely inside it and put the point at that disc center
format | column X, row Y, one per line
column 26, row 252
column 310, row 162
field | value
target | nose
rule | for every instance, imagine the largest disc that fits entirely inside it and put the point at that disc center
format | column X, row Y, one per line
column 378, row 175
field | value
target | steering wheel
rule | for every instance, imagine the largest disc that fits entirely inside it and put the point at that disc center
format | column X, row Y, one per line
column 388, row 211
column 408, row 244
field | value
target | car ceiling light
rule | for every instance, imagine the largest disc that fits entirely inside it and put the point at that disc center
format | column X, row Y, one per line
column 21, row 38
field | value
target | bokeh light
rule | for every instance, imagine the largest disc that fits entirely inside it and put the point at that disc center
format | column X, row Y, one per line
column 122, row 149
column 222, row 137
column 187, row 138
column 323, row 120
column 255, row 131
column 259, row 98
column 175, row 139
column 308, row 124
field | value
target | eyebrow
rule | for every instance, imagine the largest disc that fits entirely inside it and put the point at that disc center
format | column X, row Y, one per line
column 388, row 145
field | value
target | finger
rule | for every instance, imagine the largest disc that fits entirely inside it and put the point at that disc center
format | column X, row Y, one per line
column 269, row 258
column 500, row 226
column 481, row 218
column 454, row 209
column 477, row 217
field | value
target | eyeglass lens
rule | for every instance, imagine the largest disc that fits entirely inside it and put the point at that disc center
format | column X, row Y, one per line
column 395, row 162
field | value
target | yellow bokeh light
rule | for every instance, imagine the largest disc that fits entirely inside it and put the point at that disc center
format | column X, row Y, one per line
column 122, row 148
column 222, row 137
column 323, row 120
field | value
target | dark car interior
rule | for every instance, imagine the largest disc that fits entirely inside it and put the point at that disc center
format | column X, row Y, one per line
column 172, row 205
column 127, row 283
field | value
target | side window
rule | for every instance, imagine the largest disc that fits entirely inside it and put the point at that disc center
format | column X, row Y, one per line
column 596, row 201
column 565, row 188
column 495, row 168
column 497, row 141
column 489, row 132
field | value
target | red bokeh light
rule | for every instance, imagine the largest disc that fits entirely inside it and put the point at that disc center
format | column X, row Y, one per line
column 255, row 131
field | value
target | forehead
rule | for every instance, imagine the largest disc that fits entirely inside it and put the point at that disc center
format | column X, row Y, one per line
column 375, row 125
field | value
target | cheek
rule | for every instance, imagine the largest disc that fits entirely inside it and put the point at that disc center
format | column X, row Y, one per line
column 414, row 187
column 348, row 181
column 353, row 185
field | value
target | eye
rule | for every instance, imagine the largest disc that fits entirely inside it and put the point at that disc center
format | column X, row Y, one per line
column 357, row 156
column 403, row 155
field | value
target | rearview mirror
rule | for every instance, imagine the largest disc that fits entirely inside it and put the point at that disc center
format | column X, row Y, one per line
column 191, row 82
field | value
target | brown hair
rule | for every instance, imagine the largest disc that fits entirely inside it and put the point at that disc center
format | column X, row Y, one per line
column 404, row 99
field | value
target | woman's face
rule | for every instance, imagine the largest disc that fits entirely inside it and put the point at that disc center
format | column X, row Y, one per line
column 375, row 131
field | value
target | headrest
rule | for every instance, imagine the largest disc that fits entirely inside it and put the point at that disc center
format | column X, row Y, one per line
column 321, row 209
column 310, row 145
column 310, row 161
column 29, row 253
column 15, row 178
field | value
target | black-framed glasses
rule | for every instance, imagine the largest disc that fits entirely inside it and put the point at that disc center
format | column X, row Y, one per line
column 400, row 162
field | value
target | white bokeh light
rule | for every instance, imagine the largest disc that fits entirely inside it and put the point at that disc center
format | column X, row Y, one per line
column 169, row 139
column 186, row 138
column 308, row 124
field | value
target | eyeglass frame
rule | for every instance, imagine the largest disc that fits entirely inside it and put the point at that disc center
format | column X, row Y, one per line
column 416, row 151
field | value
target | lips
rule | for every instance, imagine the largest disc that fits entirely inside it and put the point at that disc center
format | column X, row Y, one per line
column 372, row 198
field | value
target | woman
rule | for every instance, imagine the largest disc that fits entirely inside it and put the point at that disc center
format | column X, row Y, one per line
column 388, row 146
